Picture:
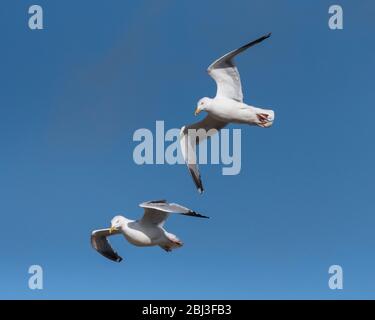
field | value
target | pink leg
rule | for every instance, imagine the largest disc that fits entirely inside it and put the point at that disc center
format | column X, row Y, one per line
column 263, row 119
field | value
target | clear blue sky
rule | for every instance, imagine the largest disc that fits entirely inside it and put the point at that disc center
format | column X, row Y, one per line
column 73, row 94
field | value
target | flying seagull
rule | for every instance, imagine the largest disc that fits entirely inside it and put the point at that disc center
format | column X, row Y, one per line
column 226, row 107
column 146, row 232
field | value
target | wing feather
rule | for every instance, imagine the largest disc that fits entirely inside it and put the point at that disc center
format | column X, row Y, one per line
column 99, row 241
column 192, row 135
column 226, row 75
column 156, row 213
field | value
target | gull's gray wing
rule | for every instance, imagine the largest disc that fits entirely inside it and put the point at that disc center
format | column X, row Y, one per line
column 226, row 75
column 190, row 136
column 101, row 244
column 157, row 212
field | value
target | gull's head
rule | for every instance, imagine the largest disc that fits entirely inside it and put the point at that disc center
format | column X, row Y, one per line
column 202, row 105
column 116, row 223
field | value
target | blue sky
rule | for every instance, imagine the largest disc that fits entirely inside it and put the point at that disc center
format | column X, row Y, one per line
column 73, row 94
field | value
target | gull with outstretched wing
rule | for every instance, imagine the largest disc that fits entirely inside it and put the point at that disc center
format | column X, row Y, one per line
column 145, row 232
column 227, row 107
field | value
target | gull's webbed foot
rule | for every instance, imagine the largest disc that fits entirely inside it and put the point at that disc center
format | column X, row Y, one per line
column 263, row 119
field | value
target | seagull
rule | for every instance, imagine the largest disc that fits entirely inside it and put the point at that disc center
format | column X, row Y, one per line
column 226, row 107
column 146, row 232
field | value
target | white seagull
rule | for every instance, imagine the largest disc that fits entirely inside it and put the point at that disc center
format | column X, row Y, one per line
column 226, row 107
column 146, row 232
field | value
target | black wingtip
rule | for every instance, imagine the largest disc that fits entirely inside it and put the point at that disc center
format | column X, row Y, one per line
column 197, row 215
column 266, row 36
column 198, row 181
column 112, row 257
column 115, row 257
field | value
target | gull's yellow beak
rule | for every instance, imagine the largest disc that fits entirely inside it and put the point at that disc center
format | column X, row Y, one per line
column 197, row 111
column 112, row 229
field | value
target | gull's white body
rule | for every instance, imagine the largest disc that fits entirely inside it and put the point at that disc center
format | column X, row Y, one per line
column 143, row 235
column 229, row 110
